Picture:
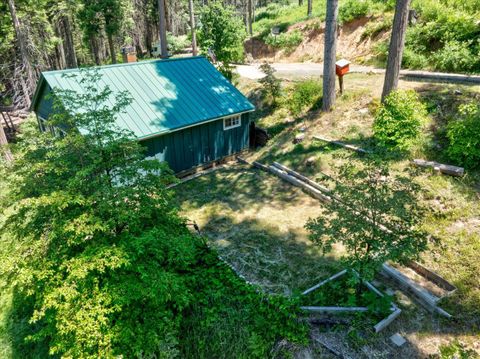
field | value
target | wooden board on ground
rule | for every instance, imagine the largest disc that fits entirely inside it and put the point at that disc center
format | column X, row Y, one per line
column 445, row 169
column 343, row 144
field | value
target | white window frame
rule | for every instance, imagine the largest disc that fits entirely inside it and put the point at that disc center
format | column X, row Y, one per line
column 235, row 121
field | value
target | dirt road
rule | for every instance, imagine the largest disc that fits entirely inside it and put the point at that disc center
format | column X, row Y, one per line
column 305, row 69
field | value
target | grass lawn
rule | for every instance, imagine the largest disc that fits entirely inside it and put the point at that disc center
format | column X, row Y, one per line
column 257, row 221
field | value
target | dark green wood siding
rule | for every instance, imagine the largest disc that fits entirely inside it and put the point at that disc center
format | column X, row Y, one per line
column 198, row 145
column 45, row 106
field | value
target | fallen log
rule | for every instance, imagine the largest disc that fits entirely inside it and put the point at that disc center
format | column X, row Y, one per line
column 445, row 169
column 296, row 182
column 301, row 177
column 343, row 144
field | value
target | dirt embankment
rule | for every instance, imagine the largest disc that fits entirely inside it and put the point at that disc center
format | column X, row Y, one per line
column 352, row 44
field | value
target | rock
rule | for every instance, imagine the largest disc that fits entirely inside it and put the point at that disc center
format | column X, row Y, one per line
column 289, row 120
column 458, row 92
column 299, row 138
column 397, row 339
column 310, row 161
column 302, row 129
column 363, row 111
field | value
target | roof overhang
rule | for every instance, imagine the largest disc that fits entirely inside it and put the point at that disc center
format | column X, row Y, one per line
column 158, row 134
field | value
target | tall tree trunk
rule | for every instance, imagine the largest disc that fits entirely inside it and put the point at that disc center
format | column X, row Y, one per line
column 111, row 47
column 329, row 55
column 163, row 30
column 29, row 82
column 148, row 38
column 249, row 17
column 68, row 44
column 397, row 44
column 95, row 49
column 300, row 2
column 309, row 8
column 192, row 27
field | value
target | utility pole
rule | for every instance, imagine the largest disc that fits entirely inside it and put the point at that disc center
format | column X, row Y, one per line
column 163, row 30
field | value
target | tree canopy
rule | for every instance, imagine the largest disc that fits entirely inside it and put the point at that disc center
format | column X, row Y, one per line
column 90, row 237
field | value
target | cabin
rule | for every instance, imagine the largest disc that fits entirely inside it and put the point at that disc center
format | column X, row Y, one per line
column 183, row 110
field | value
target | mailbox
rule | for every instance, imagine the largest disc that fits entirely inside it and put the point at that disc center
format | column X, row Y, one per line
column 342, row 67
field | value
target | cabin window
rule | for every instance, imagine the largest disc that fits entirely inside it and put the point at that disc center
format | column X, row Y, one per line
column 231, row 122
column 44, row 127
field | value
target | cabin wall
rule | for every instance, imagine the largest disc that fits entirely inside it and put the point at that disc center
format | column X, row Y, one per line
column 44, row 108
column 194, row 146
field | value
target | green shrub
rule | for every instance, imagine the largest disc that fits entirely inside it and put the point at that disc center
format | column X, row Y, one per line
column 286, row 40
column 464, row 136
column 305, row 96
column 177, row 44
column 271, row 86
column 414, row 60
column 353, row 9
column 399, row 120
column 455, row 56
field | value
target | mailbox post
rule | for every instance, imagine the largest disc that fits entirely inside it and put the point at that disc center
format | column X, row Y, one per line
column 341, row 68
column 275, row 31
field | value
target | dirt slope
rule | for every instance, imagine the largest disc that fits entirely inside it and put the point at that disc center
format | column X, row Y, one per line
column 351, row 45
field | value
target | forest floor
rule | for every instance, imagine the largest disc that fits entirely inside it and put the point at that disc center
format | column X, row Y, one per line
column 256, row 221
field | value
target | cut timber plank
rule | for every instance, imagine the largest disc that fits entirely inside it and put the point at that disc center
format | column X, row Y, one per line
column 425, row 297
column 296, row 182
column 335, row 276
column 343, row 144
column 383, row 324
column 446, row 169
column 433, row 277
column 301, row 177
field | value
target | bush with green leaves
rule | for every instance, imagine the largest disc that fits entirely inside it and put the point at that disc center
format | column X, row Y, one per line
column 399, row 120
column 456, row 56
column 463, row 135
column 271, row 86
column 353, row 9
column 305, row 95
column 177, row 44
column 92, row 246
column 285, row 40
column 222, row 31
column 375, row 215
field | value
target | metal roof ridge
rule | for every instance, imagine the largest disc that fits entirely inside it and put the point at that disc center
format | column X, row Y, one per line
column 125, row 64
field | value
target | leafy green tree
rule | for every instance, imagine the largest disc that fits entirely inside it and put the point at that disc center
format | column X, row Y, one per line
column 271, row 84
column 375, row 216
column 96, row 15
column 86, row 226
column 90, row 238
column 222, row 32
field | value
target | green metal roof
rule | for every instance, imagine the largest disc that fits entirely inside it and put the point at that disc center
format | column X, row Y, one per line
column 166, row 95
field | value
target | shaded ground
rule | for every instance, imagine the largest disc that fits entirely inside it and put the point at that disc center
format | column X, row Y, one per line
column 256, row 220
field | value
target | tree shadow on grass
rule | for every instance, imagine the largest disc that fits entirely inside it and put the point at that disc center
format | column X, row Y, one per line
column 237, row 188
